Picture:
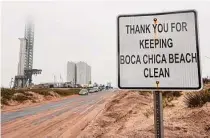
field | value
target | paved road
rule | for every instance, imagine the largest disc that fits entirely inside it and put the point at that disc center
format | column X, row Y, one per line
column 64, row 118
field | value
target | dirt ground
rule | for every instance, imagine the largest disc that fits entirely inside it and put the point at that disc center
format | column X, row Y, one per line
column 130, row 114
column 65, row 118
column 120, row 114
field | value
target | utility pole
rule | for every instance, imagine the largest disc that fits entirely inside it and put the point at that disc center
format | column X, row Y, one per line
column 11, row 82
column 55, row 81
column 61, row 81
column 74, row 82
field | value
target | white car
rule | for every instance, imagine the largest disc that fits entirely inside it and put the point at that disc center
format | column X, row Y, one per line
column 93, row 90
column 83, row 92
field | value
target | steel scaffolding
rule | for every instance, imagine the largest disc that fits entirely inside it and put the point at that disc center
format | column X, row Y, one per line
column 25, row 79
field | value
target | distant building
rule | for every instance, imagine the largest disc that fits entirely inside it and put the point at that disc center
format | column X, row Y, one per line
column 88, row 76
column 78, row 73
column 71, row 72
column 83, row 73
column 109, row 84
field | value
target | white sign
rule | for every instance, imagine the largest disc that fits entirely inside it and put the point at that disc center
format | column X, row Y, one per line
column 160, row 47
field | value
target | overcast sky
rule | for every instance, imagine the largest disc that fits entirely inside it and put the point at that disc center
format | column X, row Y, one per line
column 81, row 31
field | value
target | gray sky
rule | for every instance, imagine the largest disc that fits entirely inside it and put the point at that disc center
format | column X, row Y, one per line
column 81, row 31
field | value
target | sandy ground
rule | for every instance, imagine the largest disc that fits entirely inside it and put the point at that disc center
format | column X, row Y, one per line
column 130, row 115
column 65, row 121
column 120, row 114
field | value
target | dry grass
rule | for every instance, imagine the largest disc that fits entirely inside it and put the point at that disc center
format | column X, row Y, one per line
column 8, row 94
column 148, row 112
column 20, row 98
column 171, row 93
column 144, row 92
column 197, row 99
column 42, row 91
column 169, row 96
column 21, row 95
column 67, row 92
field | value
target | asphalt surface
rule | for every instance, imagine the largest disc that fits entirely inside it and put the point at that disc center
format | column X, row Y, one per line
column 35, row 121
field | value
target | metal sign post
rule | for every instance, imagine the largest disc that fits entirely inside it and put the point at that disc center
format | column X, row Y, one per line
column 158, row 113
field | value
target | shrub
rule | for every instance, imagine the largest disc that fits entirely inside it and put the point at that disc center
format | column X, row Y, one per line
column 167, row 102
column 7, row 93
column 67, row 92
column 42, row 91
column 28, row 94
column 144, row 92
column 168, row 96
column 4, row 101
column 21, row 98
column 171, row 93
column 22, row 94
column 197, row 99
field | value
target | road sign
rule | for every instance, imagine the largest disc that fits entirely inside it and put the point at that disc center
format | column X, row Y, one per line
column 159, row 47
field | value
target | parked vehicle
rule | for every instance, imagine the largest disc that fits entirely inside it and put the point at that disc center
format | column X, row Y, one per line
column 94, row 89
column 101, row 88
column 83, row 92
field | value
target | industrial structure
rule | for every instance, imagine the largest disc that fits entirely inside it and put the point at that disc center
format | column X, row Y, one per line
column 71, row 72
column 109, row 84
column 78, row 73
column 83, row 73
column 25, row 64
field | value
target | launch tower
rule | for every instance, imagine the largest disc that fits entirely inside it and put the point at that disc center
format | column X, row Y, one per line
column 25, row 64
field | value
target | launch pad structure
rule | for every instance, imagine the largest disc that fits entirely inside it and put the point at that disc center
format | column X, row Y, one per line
column 25, row 64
